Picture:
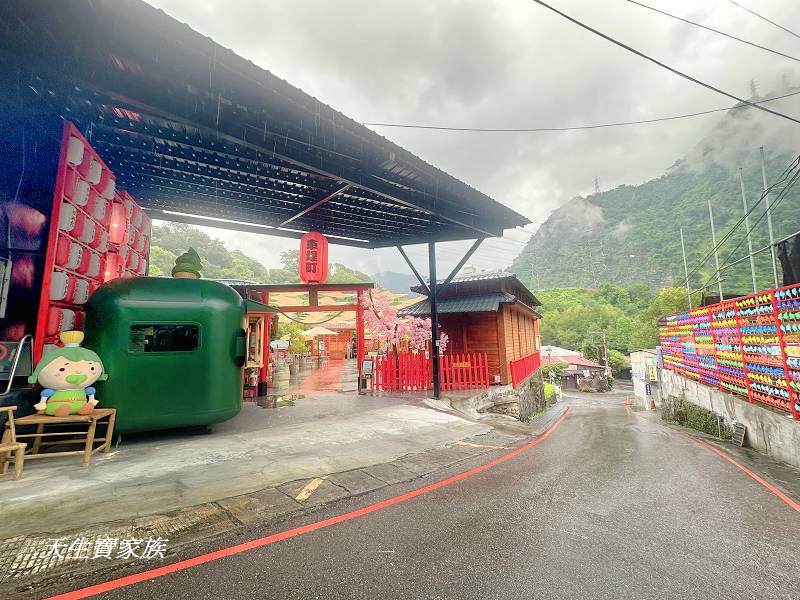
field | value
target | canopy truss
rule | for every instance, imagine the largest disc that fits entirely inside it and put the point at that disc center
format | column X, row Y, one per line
column 199, row 134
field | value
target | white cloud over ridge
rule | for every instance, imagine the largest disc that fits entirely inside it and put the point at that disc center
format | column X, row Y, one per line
column 504, row 63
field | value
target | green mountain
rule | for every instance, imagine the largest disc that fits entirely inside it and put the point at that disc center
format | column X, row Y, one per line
column 170, row 240
column 631, row 234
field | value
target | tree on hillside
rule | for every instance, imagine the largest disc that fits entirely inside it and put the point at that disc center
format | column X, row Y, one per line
column 290, row 261
column 339, row 273
column 161, row 261
column 667, row 302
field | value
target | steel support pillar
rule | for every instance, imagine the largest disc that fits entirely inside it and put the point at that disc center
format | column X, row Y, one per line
column 434, row 319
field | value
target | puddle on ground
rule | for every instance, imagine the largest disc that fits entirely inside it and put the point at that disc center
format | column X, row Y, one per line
column 287, row 400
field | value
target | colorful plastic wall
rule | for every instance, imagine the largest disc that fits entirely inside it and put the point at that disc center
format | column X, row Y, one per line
column 97, row 233
column 748, row 346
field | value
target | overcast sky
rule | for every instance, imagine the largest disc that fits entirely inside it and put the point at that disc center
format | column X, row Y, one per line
column 505, row 63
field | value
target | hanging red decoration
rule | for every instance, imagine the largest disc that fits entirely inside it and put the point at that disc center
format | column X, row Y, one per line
column 118, row 228
column 313, row 258
column 113, row 266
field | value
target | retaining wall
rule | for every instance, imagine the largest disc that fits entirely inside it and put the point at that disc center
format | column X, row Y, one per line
column 770, row 432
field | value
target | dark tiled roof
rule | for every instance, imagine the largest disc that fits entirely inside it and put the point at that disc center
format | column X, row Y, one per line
column 471, row 284
column 478, row 276
column 462, row 304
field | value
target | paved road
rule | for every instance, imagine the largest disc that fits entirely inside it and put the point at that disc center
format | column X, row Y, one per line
column 610, row 505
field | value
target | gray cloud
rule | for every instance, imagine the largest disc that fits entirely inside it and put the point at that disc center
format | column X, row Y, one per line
column 504, row 63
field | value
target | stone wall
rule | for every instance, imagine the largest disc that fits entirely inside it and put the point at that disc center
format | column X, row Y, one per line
column 771, row 432
column 531, row 397
column 522, row 403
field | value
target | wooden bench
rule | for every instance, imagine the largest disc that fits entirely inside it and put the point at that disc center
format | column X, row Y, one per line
column 85, row 438
column 9, row 445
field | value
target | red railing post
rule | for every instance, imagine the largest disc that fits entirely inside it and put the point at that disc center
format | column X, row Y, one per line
column 522, row 368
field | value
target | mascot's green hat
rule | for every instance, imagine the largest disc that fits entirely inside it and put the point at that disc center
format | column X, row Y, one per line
column 71, row 351
column 188, row 262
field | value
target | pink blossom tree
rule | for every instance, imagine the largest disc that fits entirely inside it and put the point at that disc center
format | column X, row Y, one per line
column 384, row 324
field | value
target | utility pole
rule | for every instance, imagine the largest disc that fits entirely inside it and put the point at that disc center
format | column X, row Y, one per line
column 686, row 271
column 596, row 184
column 769, row 218
column 716, row 255
column 604, row 348
column 747, row 229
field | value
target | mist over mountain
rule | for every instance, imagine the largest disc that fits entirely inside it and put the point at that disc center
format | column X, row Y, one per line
column 631, row 234
column 399, row 283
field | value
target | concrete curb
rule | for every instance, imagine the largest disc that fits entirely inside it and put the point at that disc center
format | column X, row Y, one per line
column 26, row 568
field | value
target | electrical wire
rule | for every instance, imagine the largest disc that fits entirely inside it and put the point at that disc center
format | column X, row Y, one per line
column 663, row 65
column 575, row 128
column 752, row 12
column 787, row 173
column 717, row 31
column 772, row 207
column 781, row 196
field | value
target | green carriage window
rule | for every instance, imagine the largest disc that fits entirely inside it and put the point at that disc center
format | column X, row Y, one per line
column 164, row 337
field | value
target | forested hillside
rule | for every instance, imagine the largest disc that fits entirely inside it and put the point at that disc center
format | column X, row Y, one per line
column 573, row 318
column 173, row 239
column 631, row 234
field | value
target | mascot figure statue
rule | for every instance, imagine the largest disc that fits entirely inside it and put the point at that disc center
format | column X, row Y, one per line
column 67, row 374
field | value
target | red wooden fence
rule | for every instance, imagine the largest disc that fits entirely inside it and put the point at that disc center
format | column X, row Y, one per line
column 414, row 372
column 524, row 367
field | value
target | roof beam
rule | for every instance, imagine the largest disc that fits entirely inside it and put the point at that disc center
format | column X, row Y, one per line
column 316, row 204
column 414, row 270
column 457, row 268
column 166, row 215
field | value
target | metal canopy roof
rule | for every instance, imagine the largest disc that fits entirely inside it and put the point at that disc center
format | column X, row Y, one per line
column 189, row 127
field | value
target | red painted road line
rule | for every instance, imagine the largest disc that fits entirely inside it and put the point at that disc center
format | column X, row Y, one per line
column 752, row 474
column 290, row 533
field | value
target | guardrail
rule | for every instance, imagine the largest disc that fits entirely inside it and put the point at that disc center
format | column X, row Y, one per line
column 524, row 367
column 748, row 346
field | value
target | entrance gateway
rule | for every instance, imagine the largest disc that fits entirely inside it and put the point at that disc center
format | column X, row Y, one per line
column 196, row 134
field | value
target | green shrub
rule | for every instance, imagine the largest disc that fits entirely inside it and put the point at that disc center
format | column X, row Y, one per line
column 700, row 419
column 549, row 392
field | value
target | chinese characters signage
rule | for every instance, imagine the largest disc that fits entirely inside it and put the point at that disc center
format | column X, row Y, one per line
column 313, row 258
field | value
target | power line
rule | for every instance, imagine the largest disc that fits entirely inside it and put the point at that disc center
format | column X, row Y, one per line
column 787, row 173
column 663, row 65
column 752, row 12
column 781, row 196
column 784, row 176
column 578, row 127
column 717, row 31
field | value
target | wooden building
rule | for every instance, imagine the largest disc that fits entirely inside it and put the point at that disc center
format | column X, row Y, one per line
column 489, row 312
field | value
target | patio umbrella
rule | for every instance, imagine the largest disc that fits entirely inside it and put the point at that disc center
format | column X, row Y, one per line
column 317, row 331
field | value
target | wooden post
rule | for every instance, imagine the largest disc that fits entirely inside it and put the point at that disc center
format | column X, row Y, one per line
column 263, row 375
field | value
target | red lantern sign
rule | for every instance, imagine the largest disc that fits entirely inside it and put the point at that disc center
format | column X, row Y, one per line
column 313, row 258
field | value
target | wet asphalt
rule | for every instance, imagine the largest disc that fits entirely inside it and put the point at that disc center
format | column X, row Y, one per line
column 611, row 505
